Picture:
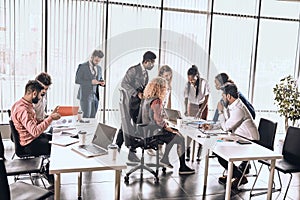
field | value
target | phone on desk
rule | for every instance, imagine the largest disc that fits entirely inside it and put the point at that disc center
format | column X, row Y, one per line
column 243, row 142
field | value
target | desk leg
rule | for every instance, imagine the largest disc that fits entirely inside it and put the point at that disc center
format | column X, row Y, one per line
column 57, row 186
column 271, row 177
column 194, row 146
column 117, row 184
column 206, row 172
column 229, row 177
column 79, row 184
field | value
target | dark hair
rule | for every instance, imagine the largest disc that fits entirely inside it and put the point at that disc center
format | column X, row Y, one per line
column 44, row 78
column 163, row 69
column 193, row 71
column 32, row 86
column 230, row 89
column 98, row 53
column 223, row 78
column 149, row 56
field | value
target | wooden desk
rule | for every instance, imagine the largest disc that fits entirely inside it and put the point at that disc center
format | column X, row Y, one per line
column 232, row 151
column 65, row 160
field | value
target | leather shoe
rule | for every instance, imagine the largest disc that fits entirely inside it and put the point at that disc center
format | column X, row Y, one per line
column 186, row 170
column 222, row 180
column 235, row 182
column 132, row 157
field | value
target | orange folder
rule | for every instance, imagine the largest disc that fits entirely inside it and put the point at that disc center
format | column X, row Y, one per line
column 68, row 110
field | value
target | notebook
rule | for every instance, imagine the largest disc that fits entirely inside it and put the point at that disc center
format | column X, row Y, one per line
column 213, row 131
column 103, row 137
column 64, row 141
column 68, row 110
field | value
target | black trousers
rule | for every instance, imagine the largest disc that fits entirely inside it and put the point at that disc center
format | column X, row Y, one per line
column 39, row 146
column 120, row 138
column 237, row 173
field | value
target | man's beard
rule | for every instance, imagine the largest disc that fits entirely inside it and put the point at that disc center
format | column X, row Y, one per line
column 35, row 100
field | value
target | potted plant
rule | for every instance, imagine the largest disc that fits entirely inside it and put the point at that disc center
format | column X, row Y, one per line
column 287, row 99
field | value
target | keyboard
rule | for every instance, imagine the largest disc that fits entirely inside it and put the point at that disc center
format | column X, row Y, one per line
column 94, row 149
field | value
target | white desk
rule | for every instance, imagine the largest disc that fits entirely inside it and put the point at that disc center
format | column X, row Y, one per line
column 65, row 160
column 232, row 151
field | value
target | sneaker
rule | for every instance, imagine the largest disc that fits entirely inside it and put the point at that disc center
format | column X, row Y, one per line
column 235, row 182
column 186, row 170
column 132, row 157
column 150, row 152
column 166, row 163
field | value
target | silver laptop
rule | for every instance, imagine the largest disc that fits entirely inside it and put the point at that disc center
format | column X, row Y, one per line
column 173, row 115
column 103, row 137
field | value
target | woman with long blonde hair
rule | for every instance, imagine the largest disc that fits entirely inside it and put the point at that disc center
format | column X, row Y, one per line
column 152, row 107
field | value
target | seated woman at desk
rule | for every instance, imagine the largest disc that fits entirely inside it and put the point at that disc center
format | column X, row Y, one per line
column 237, row 119
column 152, row 107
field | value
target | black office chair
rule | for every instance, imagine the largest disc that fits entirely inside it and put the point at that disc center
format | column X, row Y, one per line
column 19, row 190
column 19, row 150
column 23, row 166
column 139, row 136
column 291, row 159
column 267, row 130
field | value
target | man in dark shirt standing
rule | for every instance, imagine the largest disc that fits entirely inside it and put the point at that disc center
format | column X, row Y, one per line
column 134, row 82
column 89, row 77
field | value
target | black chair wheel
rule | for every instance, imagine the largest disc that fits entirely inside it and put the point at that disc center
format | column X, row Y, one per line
column 126, row 179
column 198, row 160
column 164, row 170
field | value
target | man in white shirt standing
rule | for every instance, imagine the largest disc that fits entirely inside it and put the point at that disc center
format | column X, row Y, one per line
column 236, row 119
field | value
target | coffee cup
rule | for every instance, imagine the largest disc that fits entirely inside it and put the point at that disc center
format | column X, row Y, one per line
column 112, row 151
column 82, row 138
column 179, row 123
column 79, row 116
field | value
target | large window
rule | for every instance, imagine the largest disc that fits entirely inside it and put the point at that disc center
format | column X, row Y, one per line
column 21, row 48
column 227, row 36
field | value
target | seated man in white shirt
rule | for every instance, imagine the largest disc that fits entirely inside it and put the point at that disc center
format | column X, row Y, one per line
column 236, row 119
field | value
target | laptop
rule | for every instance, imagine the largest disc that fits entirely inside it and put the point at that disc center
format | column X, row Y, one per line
column 103, row 137
column 172, row 115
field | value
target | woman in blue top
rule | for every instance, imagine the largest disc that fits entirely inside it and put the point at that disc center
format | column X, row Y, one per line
column 220, row 80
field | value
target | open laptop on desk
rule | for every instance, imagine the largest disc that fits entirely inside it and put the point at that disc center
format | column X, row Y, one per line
column 172, row 115
column 103, row 137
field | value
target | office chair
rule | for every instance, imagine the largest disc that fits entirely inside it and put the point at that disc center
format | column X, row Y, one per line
column 19, row 150
column 138, row 136
column 23, row 166
column 19, row 190
column 267, row 130
column 291, row 159
column 36, row 163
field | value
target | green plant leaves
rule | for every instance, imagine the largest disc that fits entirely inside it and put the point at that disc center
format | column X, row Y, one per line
column 287, row 98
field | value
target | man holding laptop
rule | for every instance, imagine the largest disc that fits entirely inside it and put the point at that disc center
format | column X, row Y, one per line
column 237, row 119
